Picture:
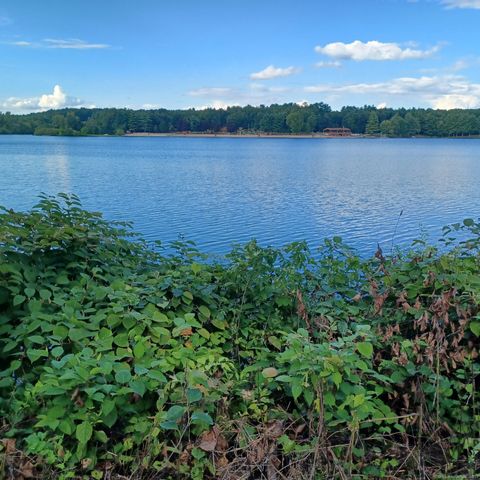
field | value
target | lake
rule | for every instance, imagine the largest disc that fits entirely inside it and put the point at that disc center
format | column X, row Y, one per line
column 220, row 191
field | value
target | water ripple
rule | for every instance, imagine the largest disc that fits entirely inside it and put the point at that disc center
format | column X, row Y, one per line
column 224, row 191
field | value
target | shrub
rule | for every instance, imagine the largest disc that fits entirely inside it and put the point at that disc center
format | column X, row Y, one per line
column 120, row 358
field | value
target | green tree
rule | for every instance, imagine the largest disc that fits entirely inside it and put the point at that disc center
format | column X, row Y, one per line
column 399, row 126
column 373, row 125
column 412, row 124
column 296, row 121
column 386, row 128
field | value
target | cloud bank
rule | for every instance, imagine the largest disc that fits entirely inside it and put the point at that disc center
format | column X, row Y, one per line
column 475, row 4
column 373, row 50
column 445, row 92
column 57, row 99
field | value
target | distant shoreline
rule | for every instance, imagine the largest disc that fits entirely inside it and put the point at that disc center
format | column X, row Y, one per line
column 236, row 135
column 282, row 135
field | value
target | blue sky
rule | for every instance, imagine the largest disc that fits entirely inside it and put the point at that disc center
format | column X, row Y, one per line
column 181, row 54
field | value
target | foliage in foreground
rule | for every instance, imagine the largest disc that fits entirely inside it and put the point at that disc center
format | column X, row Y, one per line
column 116, row 360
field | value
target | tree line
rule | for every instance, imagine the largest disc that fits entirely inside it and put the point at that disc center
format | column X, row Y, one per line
column 289, row 118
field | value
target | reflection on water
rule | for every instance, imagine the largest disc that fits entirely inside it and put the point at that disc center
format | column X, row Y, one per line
column 220, row 191
column 57, row 169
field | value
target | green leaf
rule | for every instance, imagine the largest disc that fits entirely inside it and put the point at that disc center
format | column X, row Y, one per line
column 84, row 432
column 270, row 372
column 34, row 354
column 29, row 292
column 156, row 375
column 204, row 333
column 16, row 364
column 123, row 376
column 169, row 425
column 160, row 317
column 365, row 349
column 121, row 340
column 188, row 295
column 139, row 350
column 468, row 222
column 196, row 267
column 57, row 351
column 18, row 299
column 60, row 331
column 45, row 294
column 193, row 395
column 66, row 426
column 283, row 301
column 108, row 406
column 110, row 418
column 475, row 328
column 101, row 436
column 297, row 389
column 38, row 339
column 175, row 413
column 309, row 396
column 6, row 382
column 201, row 418
column 138, row 386
column 275, row 341
column 337, row 378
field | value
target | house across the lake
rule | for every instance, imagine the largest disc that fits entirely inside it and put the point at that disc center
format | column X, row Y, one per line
column 337, row 132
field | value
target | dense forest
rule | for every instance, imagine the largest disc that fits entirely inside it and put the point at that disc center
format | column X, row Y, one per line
column 290, row 118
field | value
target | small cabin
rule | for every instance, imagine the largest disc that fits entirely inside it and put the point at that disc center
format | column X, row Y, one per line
column 337, row 132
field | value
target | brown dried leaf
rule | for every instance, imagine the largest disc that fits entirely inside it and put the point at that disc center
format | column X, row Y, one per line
column 9, row 444
column 222, row 462
column 208, row 441
column 26, row 470
column 274, row 429
column 186, row 332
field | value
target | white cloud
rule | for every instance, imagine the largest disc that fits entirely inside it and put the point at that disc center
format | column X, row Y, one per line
column 150, row 106
column 449, row 102
column 210, row 91
column 14, row 103
column 57, row 99
column 382, row 105
column 21, row 43
column 261, row 87
column 448, row 91
column 217, row 105
column 396, row 86
column 475, row 4
column 73, row 43
column 459, row 65
column 372, row 50
column 332, row 64
column 274, row 72
column 256, row 93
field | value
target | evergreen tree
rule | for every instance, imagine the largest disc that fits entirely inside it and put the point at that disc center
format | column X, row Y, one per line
column 373, row 125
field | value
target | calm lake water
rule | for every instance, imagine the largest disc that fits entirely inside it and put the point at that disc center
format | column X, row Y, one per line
column 220, row 191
